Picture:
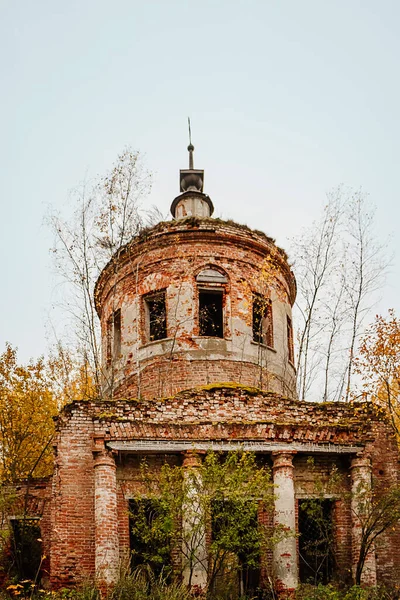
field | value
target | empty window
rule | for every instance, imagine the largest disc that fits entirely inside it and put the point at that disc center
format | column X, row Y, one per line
column 315, row 541
column 262, row 320
column 211, row 313
column 156, row 317
column 289, row 335
column 114, row 335
column 117, row 333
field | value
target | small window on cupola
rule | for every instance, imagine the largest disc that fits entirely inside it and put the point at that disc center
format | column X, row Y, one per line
column 114, row 336
column 156, row 317
column 211, row 313
column 211, row 286
column 263, row 332
column 289, row 339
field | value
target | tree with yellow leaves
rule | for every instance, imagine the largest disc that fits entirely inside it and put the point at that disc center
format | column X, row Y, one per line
column 70, row 377
column 379, row 365
column 27, row 407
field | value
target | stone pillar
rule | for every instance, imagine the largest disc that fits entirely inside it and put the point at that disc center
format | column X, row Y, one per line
column 194, row 546
column 361, row 489
column 285, row 551
column 106, row 519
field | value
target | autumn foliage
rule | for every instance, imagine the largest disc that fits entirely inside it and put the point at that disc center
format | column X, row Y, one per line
column 27, row 405
column 379, row 365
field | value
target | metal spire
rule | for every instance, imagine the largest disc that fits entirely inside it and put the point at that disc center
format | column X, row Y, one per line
column 190, row 147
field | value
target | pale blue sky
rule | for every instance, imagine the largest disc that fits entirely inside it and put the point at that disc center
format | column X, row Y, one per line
column 287, row 98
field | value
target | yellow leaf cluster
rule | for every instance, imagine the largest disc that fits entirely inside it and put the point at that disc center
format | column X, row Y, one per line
column 27, row 407
column 379, row 365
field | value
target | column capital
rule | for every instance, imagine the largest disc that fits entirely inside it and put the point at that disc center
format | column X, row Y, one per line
column 361, row 461
column 192, row 458
column 104, row 458
column 283, row 459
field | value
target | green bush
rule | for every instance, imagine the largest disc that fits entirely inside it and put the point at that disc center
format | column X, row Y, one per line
column 329, row 592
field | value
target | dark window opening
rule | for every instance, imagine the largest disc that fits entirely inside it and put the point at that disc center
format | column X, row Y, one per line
column 150, row 541
column 315, row 541
column 211, row 313
column 157, row 317
column 114, row 335
column 26, row 547
column 234, row 530
column 289, row 335
column 117, row 333
column 262, row 321
column 109, row 338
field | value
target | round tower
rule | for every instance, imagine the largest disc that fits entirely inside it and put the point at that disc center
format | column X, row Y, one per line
column 196, row 301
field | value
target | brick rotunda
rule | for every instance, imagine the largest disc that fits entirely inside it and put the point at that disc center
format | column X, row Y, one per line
column 196, row 318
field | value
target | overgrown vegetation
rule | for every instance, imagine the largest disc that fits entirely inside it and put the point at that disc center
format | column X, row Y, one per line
column 27, row 405
column 330, row 592
column 143, row 585
column 218, row 498
column 379, row 366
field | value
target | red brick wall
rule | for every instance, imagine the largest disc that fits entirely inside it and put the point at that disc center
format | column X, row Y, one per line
column 72, row 543
column 123, row 520
column 164, row 377
column 385, row 472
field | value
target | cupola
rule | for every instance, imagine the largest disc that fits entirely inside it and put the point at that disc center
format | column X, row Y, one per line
column 191, row 202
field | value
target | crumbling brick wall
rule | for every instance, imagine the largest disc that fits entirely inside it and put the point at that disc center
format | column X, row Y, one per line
column 215, row 414
column 169, row 258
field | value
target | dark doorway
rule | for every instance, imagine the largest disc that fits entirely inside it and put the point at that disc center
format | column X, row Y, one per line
column 26, row 547
column 150, row 542
column 234, row 530
column 315, row 541
column 211, row 313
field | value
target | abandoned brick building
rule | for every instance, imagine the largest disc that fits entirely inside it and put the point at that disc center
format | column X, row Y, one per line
column 196, row 317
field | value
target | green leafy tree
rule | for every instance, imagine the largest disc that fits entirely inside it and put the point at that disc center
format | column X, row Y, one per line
column 222, row 497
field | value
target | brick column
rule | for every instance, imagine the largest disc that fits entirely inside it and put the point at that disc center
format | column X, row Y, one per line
column 285, row 551
column 193, row 526
column 106, row 519
column 361, row 489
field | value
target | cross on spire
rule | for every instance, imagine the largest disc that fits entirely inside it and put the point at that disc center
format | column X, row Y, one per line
column 190, row 147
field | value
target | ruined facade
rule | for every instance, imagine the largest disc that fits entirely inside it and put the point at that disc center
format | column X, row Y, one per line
column 198, row 351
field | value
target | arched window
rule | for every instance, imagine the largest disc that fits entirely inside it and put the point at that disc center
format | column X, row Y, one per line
column 211, row 276
column 211, row 288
